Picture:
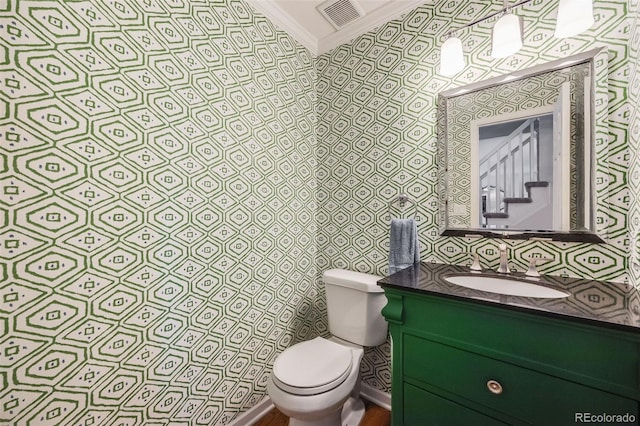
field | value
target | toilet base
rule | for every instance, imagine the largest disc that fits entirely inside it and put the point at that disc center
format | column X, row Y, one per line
column 352, row 412
column 350, row 415
column 332, row 419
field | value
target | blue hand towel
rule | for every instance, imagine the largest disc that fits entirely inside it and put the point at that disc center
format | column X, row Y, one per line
column 404, row 247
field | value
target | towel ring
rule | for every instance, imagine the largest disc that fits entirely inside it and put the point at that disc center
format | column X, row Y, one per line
column 402, row 199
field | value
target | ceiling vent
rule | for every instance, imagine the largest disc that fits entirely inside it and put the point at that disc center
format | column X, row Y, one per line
column 340, row 12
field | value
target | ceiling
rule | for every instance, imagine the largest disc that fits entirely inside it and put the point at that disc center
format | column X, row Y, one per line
column 302, row 20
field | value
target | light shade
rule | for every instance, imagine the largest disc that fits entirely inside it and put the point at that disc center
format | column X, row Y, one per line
column 507, row 36
column 574, row 17
column 451, row 57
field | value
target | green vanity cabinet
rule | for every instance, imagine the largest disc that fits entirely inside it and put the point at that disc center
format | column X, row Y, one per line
column 465, row 362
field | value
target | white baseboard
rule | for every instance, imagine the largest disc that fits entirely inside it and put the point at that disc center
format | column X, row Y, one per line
column 254, row 414
column 378, row 397
column 258, row 411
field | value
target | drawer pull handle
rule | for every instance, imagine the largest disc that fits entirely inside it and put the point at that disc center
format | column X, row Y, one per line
column 494, row 387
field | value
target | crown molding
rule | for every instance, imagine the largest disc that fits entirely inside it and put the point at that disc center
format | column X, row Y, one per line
column 317, row 47
column 271, row 10
column 367, row 23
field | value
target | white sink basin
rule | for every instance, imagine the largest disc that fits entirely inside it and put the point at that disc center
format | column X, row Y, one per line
column 506, row 286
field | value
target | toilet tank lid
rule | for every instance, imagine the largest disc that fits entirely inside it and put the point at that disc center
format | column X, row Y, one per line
column 356, row 280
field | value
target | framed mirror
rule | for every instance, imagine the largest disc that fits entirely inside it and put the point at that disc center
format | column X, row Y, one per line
column 517, row 153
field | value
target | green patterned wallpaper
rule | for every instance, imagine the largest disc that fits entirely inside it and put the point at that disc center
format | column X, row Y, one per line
column 157, row 211
column 159, row 199
column 377, row 138
column 634, row 142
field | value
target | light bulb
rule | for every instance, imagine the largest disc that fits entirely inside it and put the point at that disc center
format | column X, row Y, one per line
column 574, row 17
column 507, row 36
column 451, row 57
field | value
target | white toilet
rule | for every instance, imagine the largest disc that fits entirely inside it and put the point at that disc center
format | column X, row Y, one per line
column 317, row 382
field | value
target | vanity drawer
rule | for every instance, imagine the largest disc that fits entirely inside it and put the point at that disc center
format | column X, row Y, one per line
column 529, row 395
column 600, row 358
column 425, row 408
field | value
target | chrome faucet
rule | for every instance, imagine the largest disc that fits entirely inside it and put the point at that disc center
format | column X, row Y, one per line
column 504, row 261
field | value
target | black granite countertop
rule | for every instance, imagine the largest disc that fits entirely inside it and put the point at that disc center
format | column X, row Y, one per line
column 601, row 303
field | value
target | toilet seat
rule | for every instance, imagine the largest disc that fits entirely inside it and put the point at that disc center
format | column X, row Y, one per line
column 312, row 367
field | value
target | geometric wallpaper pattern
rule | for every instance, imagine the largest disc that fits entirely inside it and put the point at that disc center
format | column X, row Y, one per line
column 634, row 142
column 157, row 209
column 377, row 138
column 168, row 197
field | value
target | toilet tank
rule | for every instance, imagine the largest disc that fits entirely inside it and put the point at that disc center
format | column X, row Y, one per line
column 354, row 307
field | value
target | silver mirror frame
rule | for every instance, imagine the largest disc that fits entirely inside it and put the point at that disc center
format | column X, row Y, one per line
column 599, row 218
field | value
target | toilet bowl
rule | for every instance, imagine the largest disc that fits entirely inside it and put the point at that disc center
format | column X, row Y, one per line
column 317, row 382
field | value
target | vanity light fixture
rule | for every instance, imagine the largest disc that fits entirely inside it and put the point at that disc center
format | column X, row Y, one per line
column 451, row 56
column 507, row 35
column 574, row 17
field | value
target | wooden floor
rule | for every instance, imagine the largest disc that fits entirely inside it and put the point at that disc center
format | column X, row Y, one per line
column 373, row 416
